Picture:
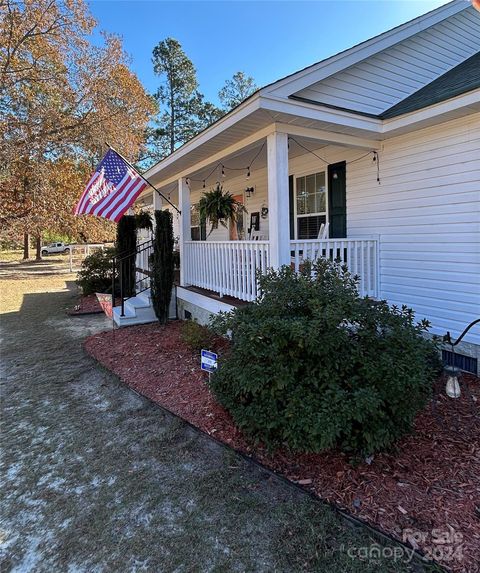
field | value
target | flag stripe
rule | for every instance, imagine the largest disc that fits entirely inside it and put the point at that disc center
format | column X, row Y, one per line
column 114, row 200
column 104, row 201
column 111, row 189
column 85, row 196
column 128, row 201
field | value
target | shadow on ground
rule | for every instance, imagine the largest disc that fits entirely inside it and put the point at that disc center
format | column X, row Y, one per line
column 96, row 478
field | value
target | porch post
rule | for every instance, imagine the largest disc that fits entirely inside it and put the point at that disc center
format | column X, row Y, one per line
column 185, row 232
column 278, row 199
column 157, row 201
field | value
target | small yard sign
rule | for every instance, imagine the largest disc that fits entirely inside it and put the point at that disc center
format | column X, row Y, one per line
column 209, row 361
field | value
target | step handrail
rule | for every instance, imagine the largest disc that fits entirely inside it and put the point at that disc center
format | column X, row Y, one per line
column 118, row 262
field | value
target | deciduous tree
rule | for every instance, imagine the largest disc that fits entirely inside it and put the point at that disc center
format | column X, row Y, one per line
column 61, row 98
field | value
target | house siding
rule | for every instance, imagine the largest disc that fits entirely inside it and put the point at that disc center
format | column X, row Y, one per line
column 382, row 80
column 425, row 211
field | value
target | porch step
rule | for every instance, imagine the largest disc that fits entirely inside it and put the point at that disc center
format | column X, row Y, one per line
column 139, row 310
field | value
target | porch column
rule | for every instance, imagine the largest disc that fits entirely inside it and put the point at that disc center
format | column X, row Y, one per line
column 278, row 200
column 185, row 232
column 157, row 201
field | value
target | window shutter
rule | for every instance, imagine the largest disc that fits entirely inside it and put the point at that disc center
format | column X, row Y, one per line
column 292, row 207
column 337, row 201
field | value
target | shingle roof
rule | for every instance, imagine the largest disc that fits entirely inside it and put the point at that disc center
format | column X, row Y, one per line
column 459, row 80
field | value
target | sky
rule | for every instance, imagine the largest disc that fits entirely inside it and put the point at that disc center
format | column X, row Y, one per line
column 266, row 40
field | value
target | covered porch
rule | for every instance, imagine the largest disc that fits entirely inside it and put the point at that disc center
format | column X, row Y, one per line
column 293, row 183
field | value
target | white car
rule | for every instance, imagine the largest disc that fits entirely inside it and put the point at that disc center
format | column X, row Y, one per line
column 55, row 248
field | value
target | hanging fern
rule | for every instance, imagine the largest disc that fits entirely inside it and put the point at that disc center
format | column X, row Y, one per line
column 219, row 206
column 162, row 265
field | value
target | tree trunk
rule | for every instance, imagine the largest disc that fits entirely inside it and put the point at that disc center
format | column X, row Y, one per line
column 38, row 243
column 26, row 246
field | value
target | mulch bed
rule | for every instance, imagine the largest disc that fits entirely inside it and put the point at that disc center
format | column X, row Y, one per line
column 86, row 305
column 425, row 493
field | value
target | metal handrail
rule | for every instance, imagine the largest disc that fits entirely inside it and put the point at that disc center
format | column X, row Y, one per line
column 119, row 262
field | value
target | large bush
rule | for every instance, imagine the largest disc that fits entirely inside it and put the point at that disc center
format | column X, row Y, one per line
column 95, row 274
column 314, row 366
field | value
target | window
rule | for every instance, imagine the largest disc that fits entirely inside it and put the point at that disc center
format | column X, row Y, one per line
column 311, row 205
column 197, row 229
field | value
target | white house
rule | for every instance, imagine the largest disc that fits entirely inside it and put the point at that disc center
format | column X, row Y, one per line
column 380, row 144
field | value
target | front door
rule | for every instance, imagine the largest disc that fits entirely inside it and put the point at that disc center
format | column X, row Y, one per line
column 237, row 229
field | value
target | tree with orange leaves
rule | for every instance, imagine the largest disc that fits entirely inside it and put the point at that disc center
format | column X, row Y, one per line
column 61, row 99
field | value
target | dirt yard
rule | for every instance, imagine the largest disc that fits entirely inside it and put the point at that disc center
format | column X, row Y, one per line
column 96, row 478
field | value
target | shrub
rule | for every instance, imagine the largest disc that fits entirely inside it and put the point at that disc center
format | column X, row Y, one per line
column 162, row 265
column 313, row 366
column 196, row 336
column 95, row 274
column 126, row 245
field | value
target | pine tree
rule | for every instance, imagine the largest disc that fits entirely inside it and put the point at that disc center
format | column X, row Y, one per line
column 236, row 90
column 183, row 109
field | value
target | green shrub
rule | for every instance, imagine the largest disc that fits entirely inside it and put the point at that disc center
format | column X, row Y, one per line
column 162, row 265
column 196, row 336
column 95, row 274
column 126, row 245
column 313, row 366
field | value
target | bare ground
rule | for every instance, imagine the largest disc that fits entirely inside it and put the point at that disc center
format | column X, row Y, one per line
column 96, row 478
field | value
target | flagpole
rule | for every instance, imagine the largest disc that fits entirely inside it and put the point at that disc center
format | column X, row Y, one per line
column 146, row 180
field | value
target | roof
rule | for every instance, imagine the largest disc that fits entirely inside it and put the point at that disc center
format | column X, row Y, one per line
column 459, row 80
column 285, row 88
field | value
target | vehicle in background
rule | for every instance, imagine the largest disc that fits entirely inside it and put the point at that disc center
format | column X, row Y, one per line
column 55, row 248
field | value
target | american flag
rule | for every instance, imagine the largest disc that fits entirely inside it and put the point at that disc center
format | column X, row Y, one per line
column 112, row 189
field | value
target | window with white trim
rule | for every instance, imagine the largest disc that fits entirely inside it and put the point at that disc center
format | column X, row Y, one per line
column 197, row 229
column 310, row 205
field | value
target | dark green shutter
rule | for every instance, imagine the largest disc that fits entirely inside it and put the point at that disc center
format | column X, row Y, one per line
column 337, row 200
column 292, row 208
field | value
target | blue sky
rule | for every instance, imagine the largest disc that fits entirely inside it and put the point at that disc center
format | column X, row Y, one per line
column 267, row 40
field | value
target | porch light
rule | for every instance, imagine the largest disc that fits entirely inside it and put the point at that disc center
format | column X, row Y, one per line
column 452, row 387
column 249, row 191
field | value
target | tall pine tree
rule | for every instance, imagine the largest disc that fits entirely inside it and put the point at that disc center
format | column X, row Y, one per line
column 183, row 109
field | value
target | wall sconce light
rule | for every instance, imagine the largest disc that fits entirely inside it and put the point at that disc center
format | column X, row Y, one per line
column 249, row 191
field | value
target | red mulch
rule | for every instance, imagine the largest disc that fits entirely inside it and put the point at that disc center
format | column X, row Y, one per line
column 86, row 305
column 430, row 482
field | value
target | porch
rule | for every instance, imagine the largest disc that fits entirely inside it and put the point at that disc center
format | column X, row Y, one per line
column 292, row 182
column 230, row 267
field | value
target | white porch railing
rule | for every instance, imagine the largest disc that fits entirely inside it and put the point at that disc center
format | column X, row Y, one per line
column 360, row 255
column 226, row 267
column 229, row 267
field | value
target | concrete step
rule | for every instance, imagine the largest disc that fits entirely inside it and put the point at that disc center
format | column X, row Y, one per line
column 139, row 310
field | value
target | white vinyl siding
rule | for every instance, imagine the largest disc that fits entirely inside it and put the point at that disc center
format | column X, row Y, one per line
column 426, row 213
column 376, row 84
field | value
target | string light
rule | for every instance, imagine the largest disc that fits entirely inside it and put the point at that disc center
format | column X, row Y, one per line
column 376, row 158
column 223, row 168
